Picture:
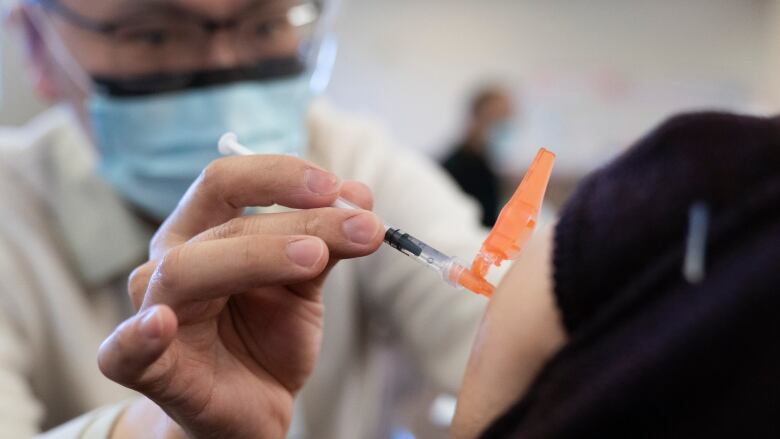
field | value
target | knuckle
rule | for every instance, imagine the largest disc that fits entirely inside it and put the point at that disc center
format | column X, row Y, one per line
column 138, row 282
column 167, row 274
column 114, row 353
column 211, row 177
column 157, row 241
column 311, row 223
column 316, row 222
column 230, row 229
column 163, row 240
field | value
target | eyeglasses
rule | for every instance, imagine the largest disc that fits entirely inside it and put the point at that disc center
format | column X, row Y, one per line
column 168, row 40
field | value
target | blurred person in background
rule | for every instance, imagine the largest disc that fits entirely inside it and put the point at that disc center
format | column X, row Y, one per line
column 489, row 131
column 143, row 90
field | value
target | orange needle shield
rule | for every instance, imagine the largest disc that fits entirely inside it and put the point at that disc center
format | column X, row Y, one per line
column 515, row 224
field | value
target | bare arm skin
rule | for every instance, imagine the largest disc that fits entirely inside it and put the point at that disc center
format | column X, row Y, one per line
column 520, row 332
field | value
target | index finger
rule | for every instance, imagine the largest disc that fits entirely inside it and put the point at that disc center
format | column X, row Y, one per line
column 230, row 184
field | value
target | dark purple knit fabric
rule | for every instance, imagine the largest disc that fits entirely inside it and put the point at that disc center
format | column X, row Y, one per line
column 651, row 355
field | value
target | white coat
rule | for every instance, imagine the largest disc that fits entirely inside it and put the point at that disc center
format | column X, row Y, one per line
column 67, row 243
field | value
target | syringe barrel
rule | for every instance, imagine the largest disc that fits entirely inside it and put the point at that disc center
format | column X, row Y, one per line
column 420, row 252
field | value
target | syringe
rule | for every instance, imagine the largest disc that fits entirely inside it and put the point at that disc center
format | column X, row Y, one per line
column 451, row 271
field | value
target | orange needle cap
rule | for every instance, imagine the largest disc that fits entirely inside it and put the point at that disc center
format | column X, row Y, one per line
column 518, row 218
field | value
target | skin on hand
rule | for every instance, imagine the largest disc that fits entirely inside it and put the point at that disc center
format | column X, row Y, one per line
column 521, row 330
column 230, row 312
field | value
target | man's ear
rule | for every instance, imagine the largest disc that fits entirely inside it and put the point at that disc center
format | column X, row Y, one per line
column 38, row 58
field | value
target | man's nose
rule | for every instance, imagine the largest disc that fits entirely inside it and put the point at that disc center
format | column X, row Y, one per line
column 222, row 51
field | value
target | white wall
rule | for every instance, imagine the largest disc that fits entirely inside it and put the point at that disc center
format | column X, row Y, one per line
column 772, row 74
column 411, row 62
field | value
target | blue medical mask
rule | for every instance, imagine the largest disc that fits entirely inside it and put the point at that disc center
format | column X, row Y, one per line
column 502, row 137
column 153, row 147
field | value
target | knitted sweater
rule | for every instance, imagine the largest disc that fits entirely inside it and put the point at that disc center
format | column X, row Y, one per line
column 650, row 354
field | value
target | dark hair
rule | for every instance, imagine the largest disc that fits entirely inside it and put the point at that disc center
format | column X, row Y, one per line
column 483, row 96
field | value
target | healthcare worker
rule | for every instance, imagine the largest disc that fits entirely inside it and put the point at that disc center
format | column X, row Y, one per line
column 143, row 92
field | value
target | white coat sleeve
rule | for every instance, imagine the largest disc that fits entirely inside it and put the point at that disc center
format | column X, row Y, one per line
column 97, row 424
column 436, row 322
column 20, row 411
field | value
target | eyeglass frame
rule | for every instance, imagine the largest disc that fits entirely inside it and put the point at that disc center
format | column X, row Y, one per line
column 209, row 25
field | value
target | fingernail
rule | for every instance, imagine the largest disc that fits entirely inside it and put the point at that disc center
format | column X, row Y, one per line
column 305, row 252
column 360, row 229
column 321, row 182
column 151, row 325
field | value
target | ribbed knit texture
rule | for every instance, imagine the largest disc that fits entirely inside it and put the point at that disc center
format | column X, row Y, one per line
column 651, row 355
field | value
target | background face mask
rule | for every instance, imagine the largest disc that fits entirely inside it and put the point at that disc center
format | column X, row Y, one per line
column 153, row 147
column 501, row 139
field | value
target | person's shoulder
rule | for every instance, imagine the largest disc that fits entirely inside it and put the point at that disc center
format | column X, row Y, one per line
column 355, row 146
column 28, row 160
column 714, row 117
column 358, row 148
column 340, row 131
column 703, row 136
column 26, row 146
column 47, row 141
column 715, row 125
column 326, row 118
column 16, row 163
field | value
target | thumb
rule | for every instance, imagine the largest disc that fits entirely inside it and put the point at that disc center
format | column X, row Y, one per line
column 127, row 356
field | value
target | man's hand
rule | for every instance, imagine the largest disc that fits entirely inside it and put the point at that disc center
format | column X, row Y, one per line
column 230, row 313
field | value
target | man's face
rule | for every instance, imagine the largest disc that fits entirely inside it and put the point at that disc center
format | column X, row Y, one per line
column 132, row 38
column 498, row 109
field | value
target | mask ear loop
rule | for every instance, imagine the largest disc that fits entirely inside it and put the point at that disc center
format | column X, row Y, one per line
column 59, row 52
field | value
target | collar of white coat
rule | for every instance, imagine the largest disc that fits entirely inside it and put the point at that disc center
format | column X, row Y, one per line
column 101, row 237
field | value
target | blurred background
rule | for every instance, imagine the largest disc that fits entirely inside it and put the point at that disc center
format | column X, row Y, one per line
column 588, row 78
